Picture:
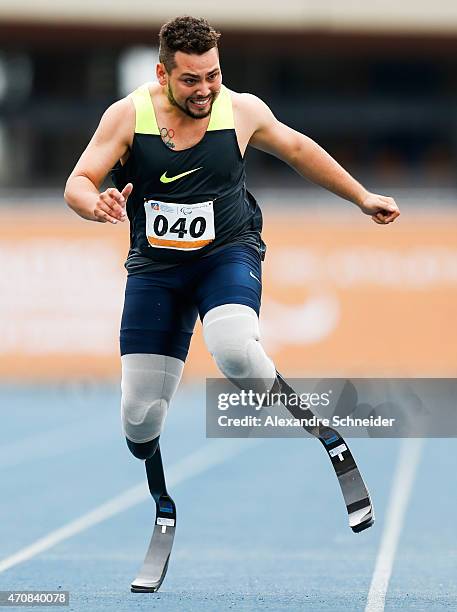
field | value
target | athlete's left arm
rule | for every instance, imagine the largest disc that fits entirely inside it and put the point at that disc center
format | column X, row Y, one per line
column 312, row 161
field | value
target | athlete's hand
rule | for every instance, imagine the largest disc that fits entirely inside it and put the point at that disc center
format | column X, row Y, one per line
column 382, row 209
column 110, row 205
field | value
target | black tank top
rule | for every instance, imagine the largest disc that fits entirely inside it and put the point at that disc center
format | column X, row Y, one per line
column 186, row 204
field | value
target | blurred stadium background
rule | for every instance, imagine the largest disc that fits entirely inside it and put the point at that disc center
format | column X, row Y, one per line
column 376, row 85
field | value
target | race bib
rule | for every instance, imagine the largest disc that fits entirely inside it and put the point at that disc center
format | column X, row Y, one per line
column 186, row 227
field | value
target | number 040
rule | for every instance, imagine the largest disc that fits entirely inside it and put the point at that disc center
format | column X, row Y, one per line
column 196, row 227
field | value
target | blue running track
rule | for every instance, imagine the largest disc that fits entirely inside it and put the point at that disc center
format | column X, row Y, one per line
column 264, row 529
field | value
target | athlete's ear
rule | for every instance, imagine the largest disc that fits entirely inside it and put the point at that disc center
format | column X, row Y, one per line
column 161, row 74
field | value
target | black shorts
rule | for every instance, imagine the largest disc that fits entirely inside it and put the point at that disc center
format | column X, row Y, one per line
column 161, row 308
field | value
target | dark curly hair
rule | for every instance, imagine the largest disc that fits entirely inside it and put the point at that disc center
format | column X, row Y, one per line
column 185, row 34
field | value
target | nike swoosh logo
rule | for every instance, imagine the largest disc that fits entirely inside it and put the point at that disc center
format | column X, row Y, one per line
column 254, row 276
column 169, row 179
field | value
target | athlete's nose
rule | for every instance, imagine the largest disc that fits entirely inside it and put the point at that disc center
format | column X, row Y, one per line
column 203, row 92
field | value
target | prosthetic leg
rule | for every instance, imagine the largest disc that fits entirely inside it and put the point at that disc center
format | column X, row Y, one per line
column 155, row 563
column 355, row 493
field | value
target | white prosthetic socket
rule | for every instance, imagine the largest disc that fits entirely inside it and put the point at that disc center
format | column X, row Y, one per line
column 149, row 382
column 232, row 336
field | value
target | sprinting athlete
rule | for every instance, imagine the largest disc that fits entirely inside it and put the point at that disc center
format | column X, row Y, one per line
column 177, row 146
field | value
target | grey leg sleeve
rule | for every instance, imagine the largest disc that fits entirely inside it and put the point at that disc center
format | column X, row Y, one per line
column 232, row 335
column 148, row 384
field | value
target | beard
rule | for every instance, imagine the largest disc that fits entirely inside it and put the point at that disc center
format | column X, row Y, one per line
column 186, row 108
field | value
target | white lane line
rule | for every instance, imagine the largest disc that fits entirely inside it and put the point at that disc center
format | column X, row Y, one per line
column 408, row 461
column 200, row 461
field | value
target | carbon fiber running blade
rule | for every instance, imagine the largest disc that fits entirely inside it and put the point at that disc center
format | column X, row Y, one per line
column 155, row 564
column 355, row 493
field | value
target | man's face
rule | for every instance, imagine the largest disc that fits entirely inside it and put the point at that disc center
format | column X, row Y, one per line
column 194, row 83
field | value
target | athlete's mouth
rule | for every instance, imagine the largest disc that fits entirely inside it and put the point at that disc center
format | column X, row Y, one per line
column 200, row 101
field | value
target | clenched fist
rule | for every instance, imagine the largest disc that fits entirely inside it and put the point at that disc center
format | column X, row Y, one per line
column 382, row 209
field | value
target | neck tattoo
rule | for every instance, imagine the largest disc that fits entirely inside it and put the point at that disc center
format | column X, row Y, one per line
column 167, row 136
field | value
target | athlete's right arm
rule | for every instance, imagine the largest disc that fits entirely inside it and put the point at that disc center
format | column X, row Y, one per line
column 110, row 142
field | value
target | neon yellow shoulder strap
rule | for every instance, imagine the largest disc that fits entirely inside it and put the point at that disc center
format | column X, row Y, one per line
column 222, row 112
column 146, row 122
